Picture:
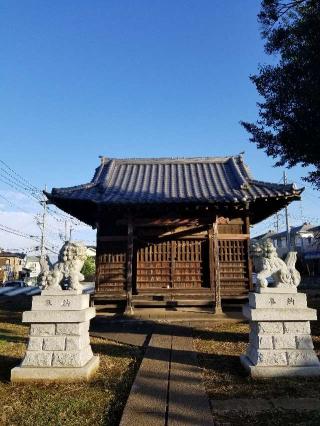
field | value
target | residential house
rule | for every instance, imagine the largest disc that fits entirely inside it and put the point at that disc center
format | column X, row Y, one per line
column 304, row 239
column 32, row 268
column 11, row 265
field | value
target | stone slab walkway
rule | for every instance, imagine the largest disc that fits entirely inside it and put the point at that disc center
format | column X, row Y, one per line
column 129, row 333
column 168, row 389
column 259, row 404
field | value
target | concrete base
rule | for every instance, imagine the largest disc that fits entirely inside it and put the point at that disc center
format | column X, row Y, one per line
column 52, row 374
column 258, row 372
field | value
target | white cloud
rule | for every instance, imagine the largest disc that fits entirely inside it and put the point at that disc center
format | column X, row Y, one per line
column 25, row 222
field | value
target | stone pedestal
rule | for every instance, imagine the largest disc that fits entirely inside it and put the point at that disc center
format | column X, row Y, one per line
column 59, row 344
column 280, row 343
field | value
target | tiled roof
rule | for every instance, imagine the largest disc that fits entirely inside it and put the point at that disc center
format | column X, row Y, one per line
column 10, row 254
column 300, row 229
column 305, row 227
column 173, row 180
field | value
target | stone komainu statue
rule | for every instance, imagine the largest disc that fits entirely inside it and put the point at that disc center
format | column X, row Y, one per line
column 67, row 269
column 268, row 264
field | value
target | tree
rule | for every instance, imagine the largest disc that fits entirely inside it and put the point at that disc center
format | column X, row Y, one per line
column 288, row 126
column 89, row 268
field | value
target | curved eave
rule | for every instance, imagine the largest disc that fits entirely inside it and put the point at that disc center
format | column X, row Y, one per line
column 262, row 208
column 84, row 210
column 258, row 209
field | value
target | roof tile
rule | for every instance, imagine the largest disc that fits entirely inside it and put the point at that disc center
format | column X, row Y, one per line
column 173, row 180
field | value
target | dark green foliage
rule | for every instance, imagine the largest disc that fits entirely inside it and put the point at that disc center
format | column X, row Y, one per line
column 288, row 127
column 89, row 268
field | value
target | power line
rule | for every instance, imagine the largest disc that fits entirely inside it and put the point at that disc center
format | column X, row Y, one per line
column 19, row 183
column 20, row 177
column 18, row 233
column 12, row 204
column 55, row 230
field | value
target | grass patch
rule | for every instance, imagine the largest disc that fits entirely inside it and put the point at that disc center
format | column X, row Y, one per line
column 220, row 347
column 99, row 402
column 219, row 350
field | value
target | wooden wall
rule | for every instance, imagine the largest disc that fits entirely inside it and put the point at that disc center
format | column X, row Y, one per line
column 233, row 241
column 171, row 259
column 171, row 264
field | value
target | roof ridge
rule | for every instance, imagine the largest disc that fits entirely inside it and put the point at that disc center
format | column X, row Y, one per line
column 280, row 185
column 74, row 188
column 105, row 160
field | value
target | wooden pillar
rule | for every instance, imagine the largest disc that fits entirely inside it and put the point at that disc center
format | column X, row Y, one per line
column 97, row 260
column 214, row 266
column 129, row 308
column 218, row 308
column 211, row 261
column 247, row 225
column 173, row 262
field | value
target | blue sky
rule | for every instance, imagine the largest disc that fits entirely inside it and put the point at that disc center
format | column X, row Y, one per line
column 129, row 78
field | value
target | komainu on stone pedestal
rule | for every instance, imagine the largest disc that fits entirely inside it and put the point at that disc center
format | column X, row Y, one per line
column 59, row 344
column 280, row 343
column 70, row 261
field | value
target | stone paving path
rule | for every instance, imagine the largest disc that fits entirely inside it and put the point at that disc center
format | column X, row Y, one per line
column 259, row 404
column 168, row 388
column 123, row 332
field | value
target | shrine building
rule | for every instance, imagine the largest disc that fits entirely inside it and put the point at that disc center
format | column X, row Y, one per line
column 173, row 229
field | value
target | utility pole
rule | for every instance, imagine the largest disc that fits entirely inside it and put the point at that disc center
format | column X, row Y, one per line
column 286, row 215
column 70, row 231
column 65, row 231
column 42, row 225
column 277, row 215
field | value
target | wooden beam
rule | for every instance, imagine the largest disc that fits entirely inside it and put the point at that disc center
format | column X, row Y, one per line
column 159, row 221
column 113, row 238
column 129, row 308
column 184, row 232
column 233, row 236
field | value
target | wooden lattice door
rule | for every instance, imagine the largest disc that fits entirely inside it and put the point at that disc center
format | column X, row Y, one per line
column 111, row 268
column 170, row 264
column 154, row 266
column 187, row 264
column 233, row 261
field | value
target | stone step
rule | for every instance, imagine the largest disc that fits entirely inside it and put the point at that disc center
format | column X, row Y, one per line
column 177, row 296
column 172, row 303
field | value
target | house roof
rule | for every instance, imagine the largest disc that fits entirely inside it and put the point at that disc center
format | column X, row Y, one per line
column 305, row 227
column 33, row 259
column 269, row 234
column 11, row 254
column 300, row 229
column 173, row 180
